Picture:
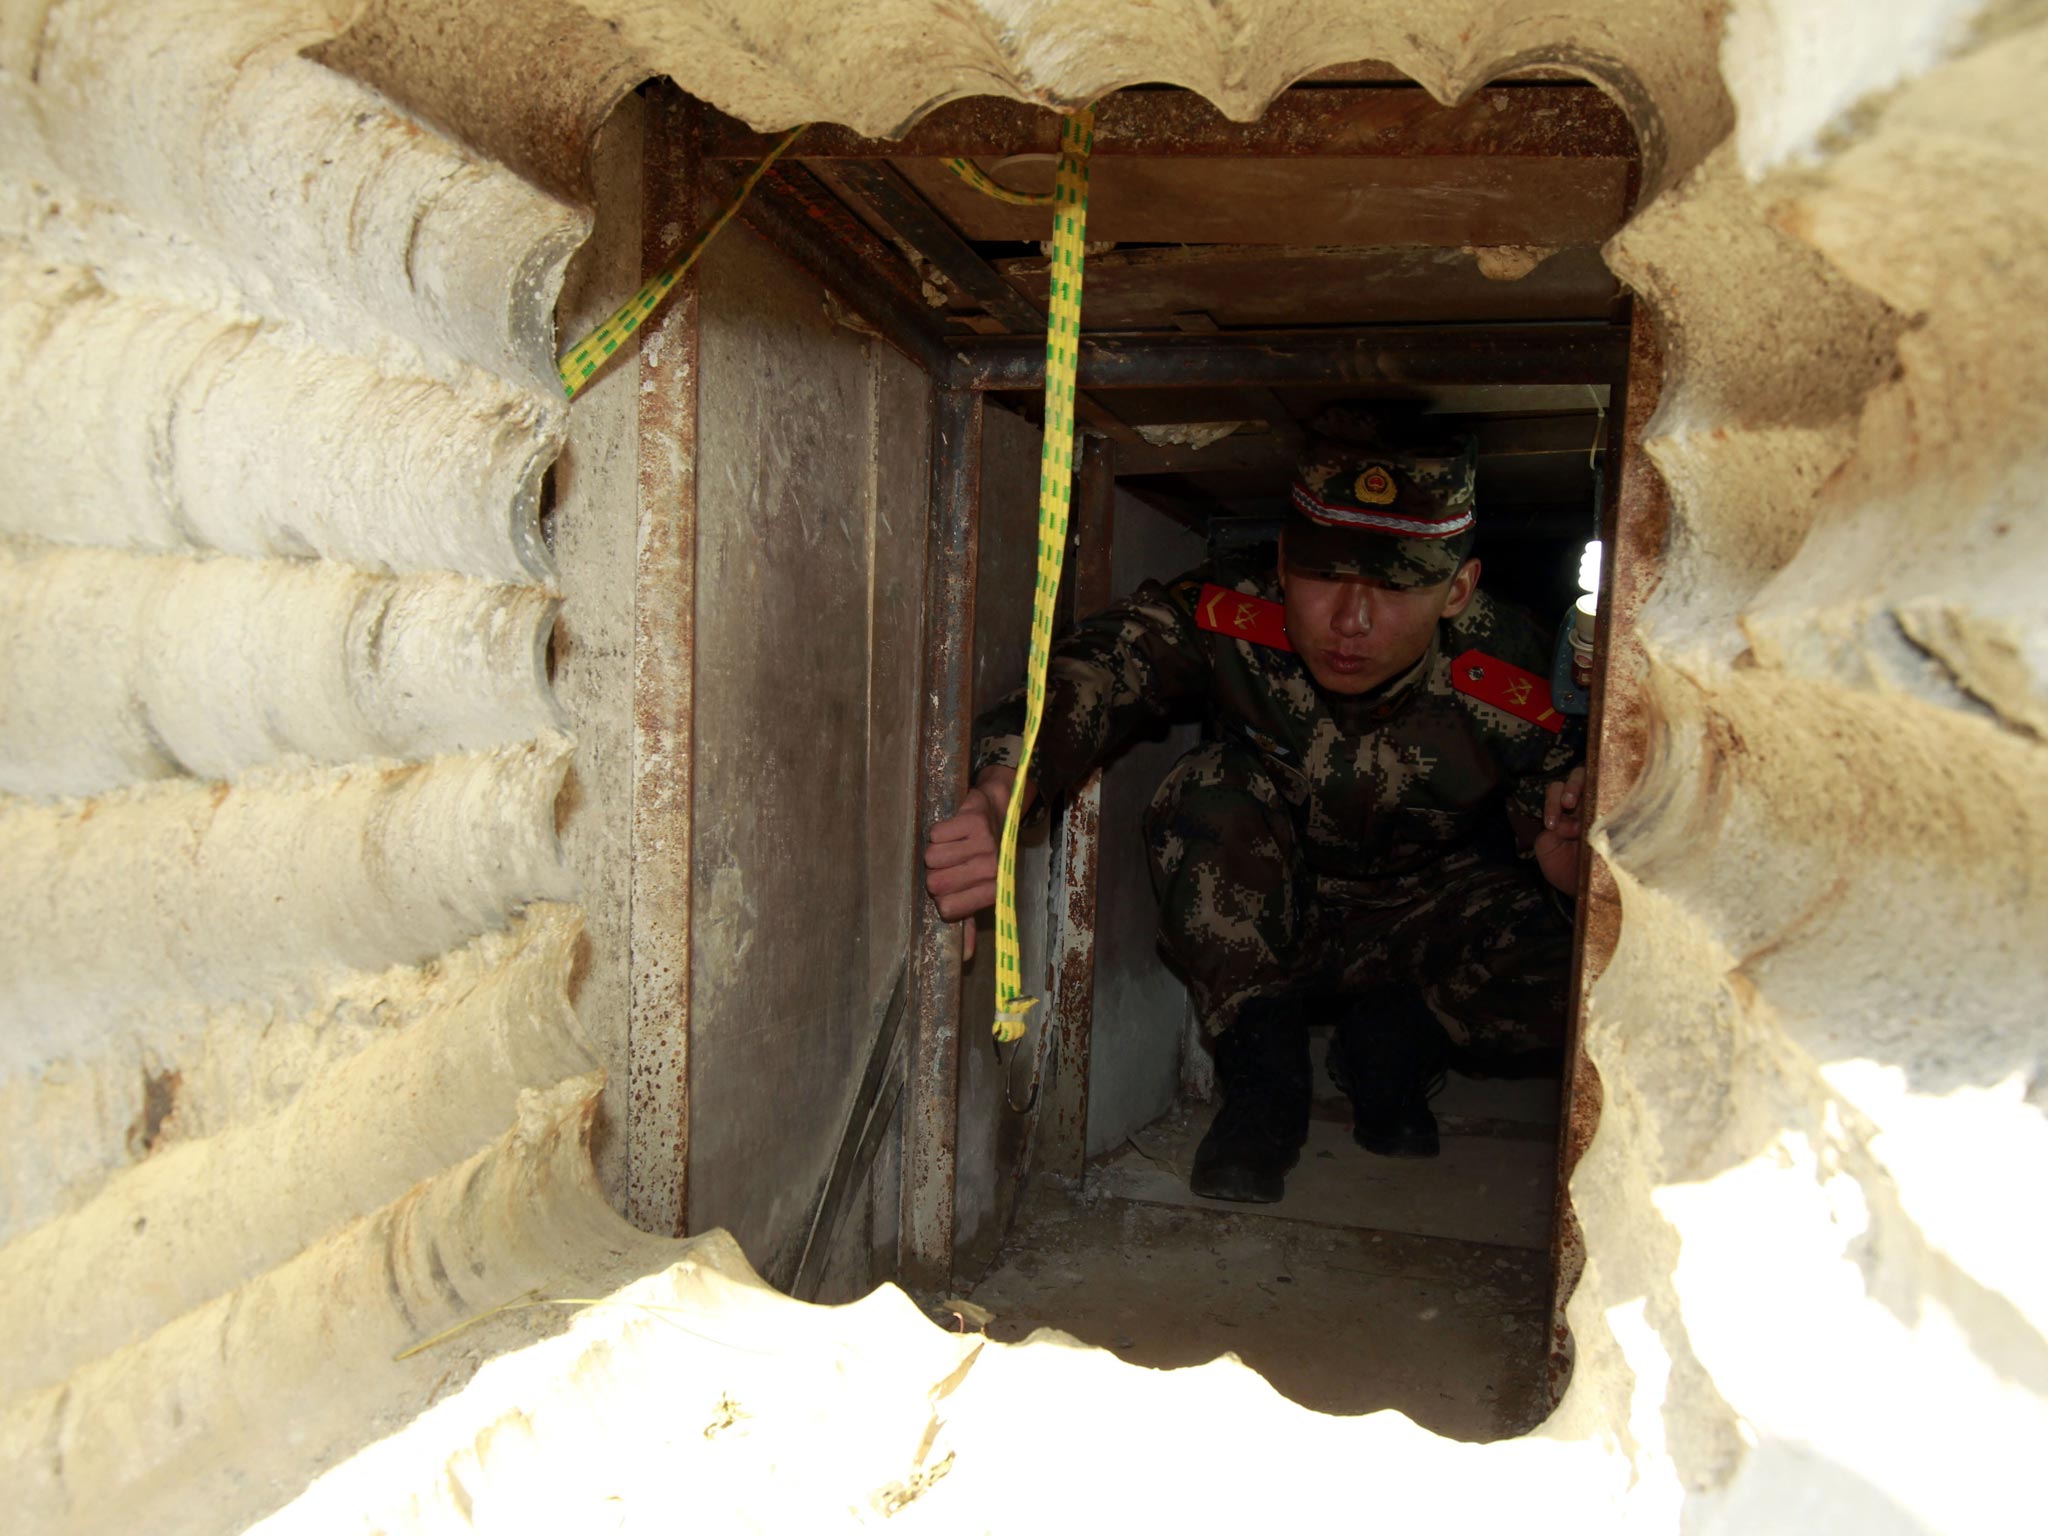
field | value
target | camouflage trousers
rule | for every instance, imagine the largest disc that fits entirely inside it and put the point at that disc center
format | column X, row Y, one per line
column 1242, row 917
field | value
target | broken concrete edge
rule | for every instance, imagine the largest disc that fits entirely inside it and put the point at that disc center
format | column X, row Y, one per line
column 188, row 1416
column 703, row 1377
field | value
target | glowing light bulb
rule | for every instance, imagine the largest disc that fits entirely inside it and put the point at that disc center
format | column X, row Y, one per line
column 1589, row 567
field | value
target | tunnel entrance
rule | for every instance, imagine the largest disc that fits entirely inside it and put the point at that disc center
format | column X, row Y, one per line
column 1358, row 246
column 1425, row 1285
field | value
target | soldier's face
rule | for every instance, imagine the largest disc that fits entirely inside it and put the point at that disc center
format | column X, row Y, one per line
column 1355, row 633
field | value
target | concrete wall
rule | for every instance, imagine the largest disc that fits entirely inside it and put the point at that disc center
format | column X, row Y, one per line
column 291, row 1081
column 1140, row 1006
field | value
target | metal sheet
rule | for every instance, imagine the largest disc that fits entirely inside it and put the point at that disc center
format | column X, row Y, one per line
column 899, row 512
column 912, row 218
column 1564, row 352
column 1633, row 525
column 1438, row 201
column 590, row 528
column 779, row 837
column 1578, row 122
column 802, row 232
column 995, row 1127
column 874, row 1105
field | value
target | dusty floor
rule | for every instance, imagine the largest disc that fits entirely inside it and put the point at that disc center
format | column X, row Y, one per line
column 1376, row 1283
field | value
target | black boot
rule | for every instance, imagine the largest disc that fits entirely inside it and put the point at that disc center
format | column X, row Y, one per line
column 1263, row 1073
column 1389, row 1057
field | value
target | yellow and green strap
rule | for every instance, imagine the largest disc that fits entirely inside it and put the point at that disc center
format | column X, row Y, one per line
column 1055, row 490
column 582, row 361
column 982, row 182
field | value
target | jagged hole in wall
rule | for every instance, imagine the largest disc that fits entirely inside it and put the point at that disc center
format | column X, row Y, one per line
column 1482, row 219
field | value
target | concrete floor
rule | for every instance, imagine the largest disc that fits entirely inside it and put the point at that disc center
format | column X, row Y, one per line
column 1377, row 1283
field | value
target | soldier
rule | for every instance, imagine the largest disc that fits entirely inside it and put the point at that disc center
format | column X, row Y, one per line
column 1338, row 849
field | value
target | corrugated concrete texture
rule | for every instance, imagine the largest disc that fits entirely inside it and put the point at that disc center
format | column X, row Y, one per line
column 279, row 361
column 290, row 1077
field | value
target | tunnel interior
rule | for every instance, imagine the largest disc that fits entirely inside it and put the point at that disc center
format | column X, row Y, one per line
column 1358, row 247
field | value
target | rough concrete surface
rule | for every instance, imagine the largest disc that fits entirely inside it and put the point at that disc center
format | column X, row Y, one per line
column 290, row 1079
column 1420, row 1285
column 1335, row 1317
column 1489, row 1188
column 259, row 312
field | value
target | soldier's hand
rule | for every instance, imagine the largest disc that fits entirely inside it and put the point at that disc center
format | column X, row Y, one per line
column 1557, row 845
column 960, row 859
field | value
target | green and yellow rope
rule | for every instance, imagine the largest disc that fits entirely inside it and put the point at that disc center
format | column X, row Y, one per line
column 984, row 183
column 582, row 361
column 1055, row 492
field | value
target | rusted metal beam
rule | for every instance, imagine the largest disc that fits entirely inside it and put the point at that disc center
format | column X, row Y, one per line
column 1383, row 74
column 1100, row 419
column 1574, row 121
column 664, row 688
column 1241, row 451
column 1633, row 523
column 825, row 209
column 939, row 243
column 898, row 206
column 1265, row 405
column 1505, row 437
column 794, row 230
column 931, row 1124
column 1072, row 1021
column 1563, row 352
column 1517, row 437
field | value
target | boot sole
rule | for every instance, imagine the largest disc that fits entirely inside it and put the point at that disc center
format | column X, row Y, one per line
column 1400, row 1146
column 1251, row 1191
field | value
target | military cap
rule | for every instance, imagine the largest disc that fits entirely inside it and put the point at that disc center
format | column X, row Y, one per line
column 1395, row 505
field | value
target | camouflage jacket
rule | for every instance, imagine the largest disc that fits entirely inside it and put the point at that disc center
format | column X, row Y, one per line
column 1385, row 788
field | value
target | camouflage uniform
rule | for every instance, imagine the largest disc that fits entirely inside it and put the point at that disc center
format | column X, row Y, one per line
column 1321, row 844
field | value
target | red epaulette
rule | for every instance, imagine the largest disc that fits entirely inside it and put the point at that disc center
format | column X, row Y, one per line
column 1520, row 692
column 1243, row 617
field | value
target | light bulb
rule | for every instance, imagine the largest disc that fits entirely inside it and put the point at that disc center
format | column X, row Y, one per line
column 1589, row 567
